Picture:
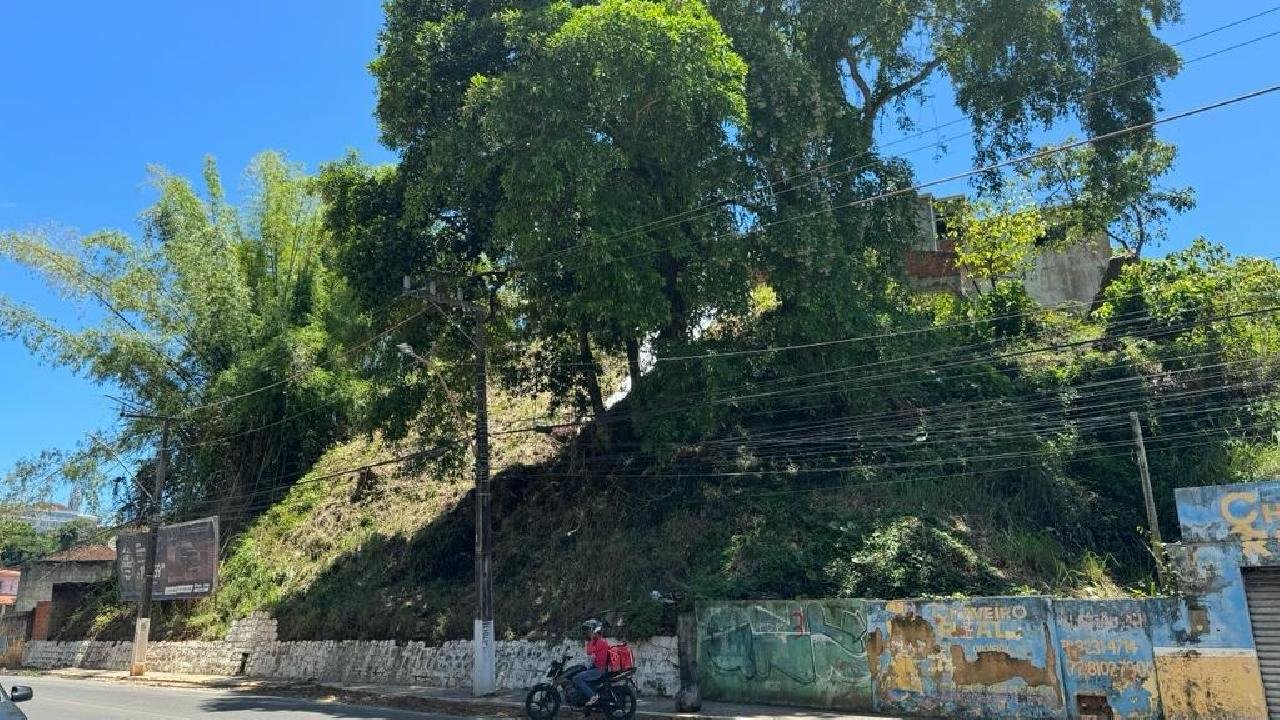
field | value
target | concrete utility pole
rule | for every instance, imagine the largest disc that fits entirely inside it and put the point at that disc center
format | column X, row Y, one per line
column 1144, row 473
column 142, row 629
column 484, row 667
column 484, row 673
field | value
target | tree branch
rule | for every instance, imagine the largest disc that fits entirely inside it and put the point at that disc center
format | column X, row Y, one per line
column 851, row 59
column 882, row 98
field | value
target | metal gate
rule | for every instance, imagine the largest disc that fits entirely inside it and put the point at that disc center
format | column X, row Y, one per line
column 1262, row 586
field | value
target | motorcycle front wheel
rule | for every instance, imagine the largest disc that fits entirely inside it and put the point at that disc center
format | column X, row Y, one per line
column 624, row 703
column 542, row 702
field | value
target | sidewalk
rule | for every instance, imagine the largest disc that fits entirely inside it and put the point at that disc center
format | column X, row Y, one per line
column 459, row 701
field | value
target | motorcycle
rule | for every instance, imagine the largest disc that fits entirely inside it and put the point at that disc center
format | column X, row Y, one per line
column 617, row 692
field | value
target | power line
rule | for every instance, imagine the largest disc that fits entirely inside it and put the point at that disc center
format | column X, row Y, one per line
column 977, row 433
column 1085, row 423
column 273, row 490
column 1072, row 456
column 1087, row 455
column 829, row 387
column 1198, row 36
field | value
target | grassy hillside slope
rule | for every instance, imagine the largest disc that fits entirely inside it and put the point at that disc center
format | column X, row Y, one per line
column 1009, row 476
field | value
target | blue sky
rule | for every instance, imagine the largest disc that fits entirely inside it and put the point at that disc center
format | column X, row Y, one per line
column 95, row 92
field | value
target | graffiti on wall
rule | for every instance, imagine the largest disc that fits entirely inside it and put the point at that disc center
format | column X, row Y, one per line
column 1108, row 667
column 805, row 652
column 967, row 658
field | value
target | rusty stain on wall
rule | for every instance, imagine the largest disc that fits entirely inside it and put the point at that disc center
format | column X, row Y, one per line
column 996, row 666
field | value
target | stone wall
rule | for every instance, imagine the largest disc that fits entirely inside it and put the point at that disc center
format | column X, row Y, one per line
column 201, row 658
column 252, row 643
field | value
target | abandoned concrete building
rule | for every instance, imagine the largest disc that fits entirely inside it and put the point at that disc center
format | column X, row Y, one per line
column 1054, row 277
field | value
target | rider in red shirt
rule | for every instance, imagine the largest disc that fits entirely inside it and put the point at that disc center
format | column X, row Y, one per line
column 598, row 652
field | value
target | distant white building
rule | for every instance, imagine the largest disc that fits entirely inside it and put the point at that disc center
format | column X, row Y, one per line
column 48, row 516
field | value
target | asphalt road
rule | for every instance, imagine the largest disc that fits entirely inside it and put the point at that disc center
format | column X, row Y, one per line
column 64, row 699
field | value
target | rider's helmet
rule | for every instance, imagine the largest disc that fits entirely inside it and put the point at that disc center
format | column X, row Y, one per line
column 592, row 627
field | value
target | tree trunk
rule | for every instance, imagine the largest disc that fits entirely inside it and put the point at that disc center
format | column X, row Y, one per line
column 633, row 360
column 677, row 328
column 590, row 372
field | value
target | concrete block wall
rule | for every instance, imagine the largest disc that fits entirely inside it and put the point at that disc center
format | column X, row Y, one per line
column 994, row 657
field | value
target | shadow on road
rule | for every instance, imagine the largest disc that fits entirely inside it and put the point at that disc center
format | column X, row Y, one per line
column 297, row 706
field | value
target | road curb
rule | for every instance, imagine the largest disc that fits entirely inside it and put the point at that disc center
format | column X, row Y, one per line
column 227, row 684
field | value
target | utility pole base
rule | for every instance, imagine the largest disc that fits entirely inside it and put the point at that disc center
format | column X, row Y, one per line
column 483, row 673
column 141, row 637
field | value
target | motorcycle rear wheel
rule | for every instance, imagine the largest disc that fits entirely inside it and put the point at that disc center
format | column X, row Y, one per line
column 542, row 702
column 624, row 703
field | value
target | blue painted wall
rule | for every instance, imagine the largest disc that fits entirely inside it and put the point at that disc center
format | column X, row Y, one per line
column 1185, row 657
column 1107, row 658
column 1241, row 514
column 975, row 658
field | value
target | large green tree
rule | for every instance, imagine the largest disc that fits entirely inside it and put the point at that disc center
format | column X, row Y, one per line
column 636, row 104
column 637, row 107
column 1131, row 208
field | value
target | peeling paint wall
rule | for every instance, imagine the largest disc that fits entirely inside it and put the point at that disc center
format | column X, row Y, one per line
column 1205, row 657
column 1108, row 664
column 810, row 653
column 1199, row 685
column 999, row 657
column 985, row 657
column 1244, row 516
column 1187, row 657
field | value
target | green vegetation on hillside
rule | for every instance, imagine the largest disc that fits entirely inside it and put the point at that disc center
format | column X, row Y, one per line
column 690, row 197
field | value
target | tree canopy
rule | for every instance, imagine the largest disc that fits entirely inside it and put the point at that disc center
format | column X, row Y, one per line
column 211, row 304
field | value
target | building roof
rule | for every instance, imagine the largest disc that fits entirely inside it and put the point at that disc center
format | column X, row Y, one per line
column 85, row 553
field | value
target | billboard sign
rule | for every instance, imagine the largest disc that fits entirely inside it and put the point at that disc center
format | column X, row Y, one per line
column 186, row 561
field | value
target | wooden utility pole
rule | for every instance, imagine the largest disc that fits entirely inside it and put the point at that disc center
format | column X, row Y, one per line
column 1144, row 473
column 484, row 667
column 142, row 628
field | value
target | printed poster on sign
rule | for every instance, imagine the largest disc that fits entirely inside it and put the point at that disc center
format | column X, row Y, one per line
column 186, row 561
